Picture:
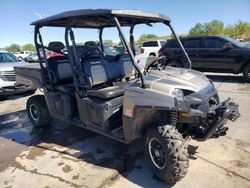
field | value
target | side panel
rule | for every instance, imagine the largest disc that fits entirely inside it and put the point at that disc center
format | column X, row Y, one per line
column 61, row 105
column 29, row 75
column 102, row 114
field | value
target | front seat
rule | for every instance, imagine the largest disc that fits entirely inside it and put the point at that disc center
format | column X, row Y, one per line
column 96, row 68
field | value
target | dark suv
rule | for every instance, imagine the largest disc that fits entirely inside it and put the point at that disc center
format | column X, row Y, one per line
column 211, row 54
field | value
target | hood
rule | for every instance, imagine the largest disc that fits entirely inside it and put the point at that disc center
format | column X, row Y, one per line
column 10, row 66
column 176, row 78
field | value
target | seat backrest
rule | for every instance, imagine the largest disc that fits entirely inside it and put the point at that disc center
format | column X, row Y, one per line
column 56, row 46
column 94, row 65
column 128, row 68
column 95, row 69
column 61, row 67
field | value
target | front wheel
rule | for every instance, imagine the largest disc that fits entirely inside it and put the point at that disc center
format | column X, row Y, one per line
column 166, row 153
column 37, row 111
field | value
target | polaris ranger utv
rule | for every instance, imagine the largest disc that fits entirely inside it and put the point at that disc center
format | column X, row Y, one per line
column 111, row 96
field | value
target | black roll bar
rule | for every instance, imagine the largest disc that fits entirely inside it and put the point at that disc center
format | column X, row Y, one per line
column 100, row 39
column 132, row 40
column 125, row 42
column 39, row 45
column 180, row 44
column 80, row 79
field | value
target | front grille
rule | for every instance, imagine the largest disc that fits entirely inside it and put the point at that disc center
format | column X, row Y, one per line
column 8, row 75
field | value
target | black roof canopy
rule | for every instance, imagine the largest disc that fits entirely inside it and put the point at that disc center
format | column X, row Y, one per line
column 99, row 18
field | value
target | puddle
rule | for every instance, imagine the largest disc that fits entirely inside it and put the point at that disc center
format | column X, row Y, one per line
column 70, row 140
column 17, row 127
column 18, row 136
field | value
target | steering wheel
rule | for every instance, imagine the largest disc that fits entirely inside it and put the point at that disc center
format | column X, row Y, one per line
column 160, row 62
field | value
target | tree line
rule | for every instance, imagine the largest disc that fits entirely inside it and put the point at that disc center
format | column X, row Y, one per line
column 239, row 30
column 19, row 48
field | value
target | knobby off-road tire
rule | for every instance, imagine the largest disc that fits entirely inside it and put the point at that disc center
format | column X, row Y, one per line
column 246, row 73
column 37, row 111
column 171, row 146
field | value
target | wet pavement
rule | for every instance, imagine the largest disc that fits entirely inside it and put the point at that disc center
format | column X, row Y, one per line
column 66, row 156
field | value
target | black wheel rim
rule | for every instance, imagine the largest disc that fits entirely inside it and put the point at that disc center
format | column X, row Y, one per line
column 34, row 112
column 248, row 73
column 157, row 153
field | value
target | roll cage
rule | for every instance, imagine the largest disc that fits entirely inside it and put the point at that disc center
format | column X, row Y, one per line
column 95, row 19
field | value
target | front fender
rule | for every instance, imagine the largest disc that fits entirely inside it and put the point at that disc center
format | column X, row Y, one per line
column 146, row 98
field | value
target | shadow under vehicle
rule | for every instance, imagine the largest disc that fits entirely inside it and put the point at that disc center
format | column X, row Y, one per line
column 111, row 96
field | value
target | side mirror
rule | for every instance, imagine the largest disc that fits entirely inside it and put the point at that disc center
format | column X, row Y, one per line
column 227, row 45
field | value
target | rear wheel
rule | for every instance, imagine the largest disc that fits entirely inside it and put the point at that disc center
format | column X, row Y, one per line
column 166, row 153
column 246, row 73
column 37, row 111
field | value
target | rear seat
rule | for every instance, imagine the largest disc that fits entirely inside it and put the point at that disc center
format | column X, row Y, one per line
column 62, row 71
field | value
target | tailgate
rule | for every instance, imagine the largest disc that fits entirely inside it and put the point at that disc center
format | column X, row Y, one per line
column 29, row 75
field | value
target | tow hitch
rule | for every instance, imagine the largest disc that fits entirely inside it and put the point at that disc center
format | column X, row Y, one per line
column 217, row 118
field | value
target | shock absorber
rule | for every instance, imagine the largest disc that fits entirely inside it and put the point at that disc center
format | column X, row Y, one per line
column 173, row 117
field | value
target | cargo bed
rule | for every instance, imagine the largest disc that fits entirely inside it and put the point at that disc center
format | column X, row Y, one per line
column 29, row 75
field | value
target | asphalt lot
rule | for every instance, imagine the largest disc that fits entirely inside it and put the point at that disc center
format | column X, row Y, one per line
column 66, row 156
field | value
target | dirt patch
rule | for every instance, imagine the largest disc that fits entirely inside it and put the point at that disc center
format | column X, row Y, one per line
column 35, row 152
column 242, row 143
column 239, row 164
column 245, row 87
column 60, row 164
column 67, row 169
column 76, row 177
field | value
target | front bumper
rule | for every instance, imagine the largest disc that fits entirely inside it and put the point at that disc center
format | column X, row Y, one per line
column 14, row 89
column 214, row 125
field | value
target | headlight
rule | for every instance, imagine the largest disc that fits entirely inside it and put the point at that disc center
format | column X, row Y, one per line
column 178, row 93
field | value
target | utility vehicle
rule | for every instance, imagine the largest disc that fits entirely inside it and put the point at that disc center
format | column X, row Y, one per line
column 111, row 96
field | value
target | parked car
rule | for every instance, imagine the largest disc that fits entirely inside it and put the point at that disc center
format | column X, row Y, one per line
column 8, row 83
column 22, row 55
column 151, row 48
column 109, row 50
column 210, row 54
column 33, row 58
column 247, row 43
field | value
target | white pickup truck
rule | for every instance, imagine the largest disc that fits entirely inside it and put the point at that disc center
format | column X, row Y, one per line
column 22, row 55
column 152, row 47
column 149, row 48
